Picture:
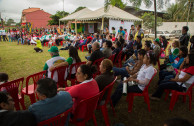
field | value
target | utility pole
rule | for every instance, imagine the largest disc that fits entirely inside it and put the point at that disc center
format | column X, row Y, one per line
column 155, row 13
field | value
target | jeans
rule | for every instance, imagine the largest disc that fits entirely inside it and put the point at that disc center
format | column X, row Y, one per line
column 119, row 91
column 120, row 71
column 130, row 60
column 10, row 40
column 167, row 85
column 22, row 40
column 38, row 49
column 164, row 73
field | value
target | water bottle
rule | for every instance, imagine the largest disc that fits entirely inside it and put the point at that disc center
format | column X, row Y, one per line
column 125, row 87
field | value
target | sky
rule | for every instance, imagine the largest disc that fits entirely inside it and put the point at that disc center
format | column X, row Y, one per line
column 13, row 8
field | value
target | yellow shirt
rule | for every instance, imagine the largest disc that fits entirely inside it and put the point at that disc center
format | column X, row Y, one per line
column 38, row 44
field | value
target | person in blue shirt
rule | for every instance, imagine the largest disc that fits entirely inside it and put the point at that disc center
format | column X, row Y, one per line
column 84, row 42
column 175, row 61
column 121, row 32
column 50, row 102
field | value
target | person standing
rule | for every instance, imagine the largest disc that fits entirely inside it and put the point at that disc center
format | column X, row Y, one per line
column 132, row 30
column 184, row 38
column 139, row 32
column 121, row 32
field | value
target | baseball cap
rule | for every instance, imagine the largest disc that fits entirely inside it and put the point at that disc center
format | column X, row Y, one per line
column 53, row 49
column 157, row 40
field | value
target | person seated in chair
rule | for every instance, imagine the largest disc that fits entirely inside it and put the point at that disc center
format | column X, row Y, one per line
column 87, row 88
column 8, row 117
column 107, row 51
column 141, row 79
column 96, row 54
column 183, row 80
column 50, row 102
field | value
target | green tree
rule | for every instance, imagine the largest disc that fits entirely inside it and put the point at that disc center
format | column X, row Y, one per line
column 10, row 21
column 148, row 21
column 117, row 3
column 158, row 4
column 78, row 9
column 55, row 18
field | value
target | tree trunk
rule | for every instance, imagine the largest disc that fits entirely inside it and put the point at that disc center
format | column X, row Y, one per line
column 155, row 13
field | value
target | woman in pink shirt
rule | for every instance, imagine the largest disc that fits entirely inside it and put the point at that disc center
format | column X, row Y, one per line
column 86, row 89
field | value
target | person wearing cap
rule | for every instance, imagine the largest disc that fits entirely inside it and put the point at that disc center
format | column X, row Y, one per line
column 121, row 32
column 55, row 59
column 157, row 48
column 38, row 47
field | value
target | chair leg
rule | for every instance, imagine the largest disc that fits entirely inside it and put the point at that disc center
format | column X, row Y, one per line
column 130, row 104
column 22, row 102
column 173, row 101
column 105, row 114
column 147, row 100
column 32, row 98
column 113, row 109
column 190, row 99
column 184, row 98
column 94, row 120
column 167, row 94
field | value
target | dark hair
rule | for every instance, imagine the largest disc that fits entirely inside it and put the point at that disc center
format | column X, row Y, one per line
column 192, row 39
column 113, row 28
column 152, row 57
column 139, row 37
column 108, row 43
column 178, row 122
column 148, row 43
column 139, row 26
column 185, row 51
column 132, row 25
column 191, row 59
column 131, row 36
column 110, row 36
column 74, row 54
column 121, row 40
column 107, row 63
column 121, row 27
column 3, row 77
column 142, row 52
column 3, row 97
column 125, row 29
column 186, row 28
column 118, row 44
column 47, row 87
column 89, row 70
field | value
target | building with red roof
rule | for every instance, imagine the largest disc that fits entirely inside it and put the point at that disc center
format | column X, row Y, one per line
column 36, row 16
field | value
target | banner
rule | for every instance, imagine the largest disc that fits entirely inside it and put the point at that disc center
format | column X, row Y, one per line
column 91, row 27
column 118, row 23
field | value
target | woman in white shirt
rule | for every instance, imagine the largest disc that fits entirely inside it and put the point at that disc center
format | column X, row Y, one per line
column 141, row 78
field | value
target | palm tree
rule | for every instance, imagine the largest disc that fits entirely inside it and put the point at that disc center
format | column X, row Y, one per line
column 137, row 3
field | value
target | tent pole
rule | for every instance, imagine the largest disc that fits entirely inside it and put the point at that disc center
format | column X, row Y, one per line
column 76, row 27
column 102, row 27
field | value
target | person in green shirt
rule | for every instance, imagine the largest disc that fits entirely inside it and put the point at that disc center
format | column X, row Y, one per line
column 73, row 58
column 38, row 47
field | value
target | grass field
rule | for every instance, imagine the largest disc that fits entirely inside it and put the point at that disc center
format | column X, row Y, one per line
column 21, row 61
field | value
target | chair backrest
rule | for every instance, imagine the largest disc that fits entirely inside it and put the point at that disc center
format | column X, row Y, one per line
column 190, row 88
column 146, row 88
column 112, row 57
column 76, row 65
column 107, row 91
column 118, row 57
column 97, row 62
column 90, row 104
column 35, row 77
column 12, row 87
column 61, row 71
column 58, row 120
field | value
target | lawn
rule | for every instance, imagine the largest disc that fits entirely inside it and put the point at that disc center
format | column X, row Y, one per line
column 21, row 61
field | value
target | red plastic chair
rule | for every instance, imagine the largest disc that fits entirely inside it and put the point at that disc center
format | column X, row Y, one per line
column 175, row 95
column 84, row 46
column 118, row 61
column 59, row 120
column 75, row 65
column 103, row 107
column 12, row 88
column 97, row 64
column 112, row 57
column 61, row 43
column 61, row 71
column 130, row 96
column 30, row 89
column 90, row 104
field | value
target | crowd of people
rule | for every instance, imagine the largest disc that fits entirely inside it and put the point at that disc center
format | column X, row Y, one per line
column 176, row 73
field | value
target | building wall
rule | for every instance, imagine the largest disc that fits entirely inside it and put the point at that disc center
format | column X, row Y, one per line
column 170, row 26
column 38, row 18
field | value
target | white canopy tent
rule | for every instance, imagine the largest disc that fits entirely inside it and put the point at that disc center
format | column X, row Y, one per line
column 113, row 13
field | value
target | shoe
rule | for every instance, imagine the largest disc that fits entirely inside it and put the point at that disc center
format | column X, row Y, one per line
column 154, row 98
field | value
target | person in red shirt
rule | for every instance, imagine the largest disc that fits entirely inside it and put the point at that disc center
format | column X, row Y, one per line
column 86, row 89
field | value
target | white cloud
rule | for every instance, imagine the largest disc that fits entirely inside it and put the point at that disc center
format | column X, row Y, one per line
column 13, row 8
